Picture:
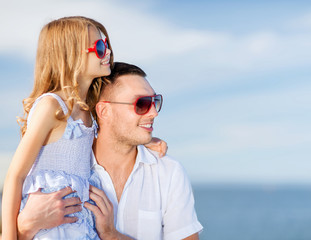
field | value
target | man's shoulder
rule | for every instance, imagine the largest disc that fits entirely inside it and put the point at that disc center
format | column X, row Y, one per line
column 168, row 163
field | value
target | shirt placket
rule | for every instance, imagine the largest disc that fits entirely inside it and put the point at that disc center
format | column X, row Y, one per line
column 123, row 199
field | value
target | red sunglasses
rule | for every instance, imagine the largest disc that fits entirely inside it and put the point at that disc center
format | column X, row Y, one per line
column 100, row 48
column 142, row 105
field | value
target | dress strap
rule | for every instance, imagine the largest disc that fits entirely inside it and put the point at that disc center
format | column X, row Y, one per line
column 93, row 119
column 58, row 98
column 94, row 125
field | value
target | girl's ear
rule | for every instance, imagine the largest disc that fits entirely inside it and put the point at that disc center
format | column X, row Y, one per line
column 101, row 110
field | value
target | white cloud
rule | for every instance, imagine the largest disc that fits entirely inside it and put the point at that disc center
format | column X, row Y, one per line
column 261, row 43
column 263, row 136
column 138, row 36
column 180, row 60
column 135, row 35
column 13, row 106
column 301, row 23
column 236, row 138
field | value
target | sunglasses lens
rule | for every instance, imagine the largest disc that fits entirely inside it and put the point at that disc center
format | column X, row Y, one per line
column 100, row 48
column 158, row 102
column 143, row 105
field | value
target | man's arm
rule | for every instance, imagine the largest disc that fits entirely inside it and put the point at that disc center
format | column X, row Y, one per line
column 46, row 210
column 180, row 219
column 104, row 219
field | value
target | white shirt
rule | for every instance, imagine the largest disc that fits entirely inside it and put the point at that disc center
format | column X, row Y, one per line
column 157, row 200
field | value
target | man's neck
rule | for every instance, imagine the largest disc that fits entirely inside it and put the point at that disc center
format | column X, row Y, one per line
column 114, row 156
column 117, row 159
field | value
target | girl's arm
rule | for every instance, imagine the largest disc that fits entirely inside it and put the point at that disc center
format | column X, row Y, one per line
column 158, row 145
column 42, row 122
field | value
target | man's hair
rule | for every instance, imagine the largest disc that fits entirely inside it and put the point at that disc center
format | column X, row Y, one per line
column 120, row 68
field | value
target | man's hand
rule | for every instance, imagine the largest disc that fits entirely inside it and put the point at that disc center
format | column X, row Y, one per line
column 103, row 212
column 46, row 210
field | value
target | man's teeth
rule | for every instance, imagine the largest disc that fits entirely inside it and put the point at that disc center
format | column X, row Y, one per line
column 146, row 125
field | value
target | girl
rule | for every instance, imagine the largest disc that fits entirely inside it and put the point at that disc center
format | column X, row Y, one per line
column 58, row 129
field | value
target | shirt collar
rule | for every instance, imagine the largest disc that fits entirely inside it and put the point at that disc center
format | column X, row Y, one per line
column 93, row 160
column 146, row 156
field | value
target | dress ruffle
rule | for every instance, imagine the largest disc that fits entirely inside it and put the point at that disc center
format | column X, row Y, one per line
column 50, row 181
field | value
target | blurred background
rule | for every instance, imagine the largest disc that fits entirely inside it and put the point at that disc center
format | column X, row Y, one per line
column 235, row 76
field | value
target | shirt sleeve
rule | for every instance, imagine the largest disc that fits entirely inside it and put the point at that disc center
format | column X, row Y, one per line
column 180, row 219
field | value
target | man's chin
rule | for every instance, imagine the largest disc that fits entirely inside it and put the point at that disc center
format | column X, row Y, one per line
column 145, row 141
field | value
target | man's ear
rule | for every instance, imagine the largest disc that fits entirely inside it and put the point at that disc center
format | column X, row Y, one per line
column 101, row 110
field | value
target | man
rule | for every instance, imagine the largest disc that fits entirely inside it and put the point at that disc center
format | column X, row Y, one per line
column 145, row 196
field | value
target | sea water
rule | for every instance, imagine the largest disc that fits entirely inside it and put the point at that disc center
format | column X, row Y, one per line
column 237, row 212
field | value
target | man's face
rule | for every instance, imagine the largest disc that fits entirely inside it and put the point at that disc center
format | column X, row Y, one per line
column 126, row 126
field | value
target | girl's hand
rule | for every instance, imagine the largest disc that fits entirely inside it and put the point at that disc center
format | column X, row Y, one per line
column 158, row 145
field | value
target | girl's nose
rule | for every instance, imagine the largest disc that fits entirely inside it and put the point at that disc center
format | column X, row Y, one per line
column 108, row 51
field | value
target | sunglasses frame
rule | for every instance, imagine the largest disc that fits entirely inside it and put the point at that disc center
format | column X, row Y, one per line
column 93, row 49
column 135, row 103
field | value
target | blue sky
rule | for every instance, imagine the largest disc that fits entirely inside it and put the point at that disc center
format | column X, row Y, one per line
column 235, row 76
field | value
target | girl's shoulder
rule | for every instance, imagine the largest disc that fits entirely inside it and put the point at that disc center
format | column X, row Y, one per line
column 45, row 109
column 48, row 102
column 52, row 100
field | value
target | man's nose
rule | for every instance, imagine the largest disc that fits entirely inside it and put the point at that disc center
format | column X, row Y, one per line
column 153, row 111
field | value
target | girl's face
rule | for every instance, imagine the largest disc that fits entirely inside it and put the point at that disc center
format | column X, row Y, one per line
column 96, row 67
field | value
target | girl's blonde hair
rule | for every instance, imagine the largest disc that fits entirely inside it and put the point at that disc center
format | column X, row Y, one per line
column 60, row 59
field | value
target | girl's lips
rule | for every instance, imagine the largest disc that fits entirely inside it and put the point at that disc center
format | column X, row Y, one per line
column 105, row 61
